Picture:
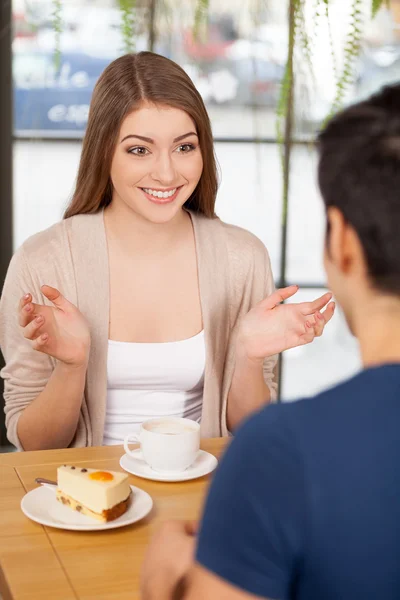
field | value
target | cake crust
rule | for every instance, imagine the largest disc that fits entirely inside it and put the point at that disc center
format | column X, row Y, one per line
column 106, row 515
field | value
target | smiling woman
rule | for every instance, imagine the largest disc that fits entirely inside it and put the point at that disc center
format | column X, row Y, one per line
column 150, row 81
column 164, row 170
column 141, row 303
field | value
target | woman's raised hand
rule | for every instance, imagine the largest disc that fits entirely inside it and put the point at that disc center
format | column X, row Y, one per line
column 271, row 327
column 60, row 330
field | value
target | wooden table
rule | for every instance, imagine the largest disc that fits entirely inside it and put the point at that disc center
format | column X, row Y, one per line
column 39, row 562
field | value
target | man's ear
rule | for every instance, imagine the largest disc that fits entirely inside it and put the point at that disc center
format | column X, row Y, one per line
column 343, row 245
column 335, row 236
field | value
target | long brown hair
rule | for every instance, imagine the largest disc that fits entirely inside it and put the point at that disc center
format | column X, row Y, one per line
column 123, row 85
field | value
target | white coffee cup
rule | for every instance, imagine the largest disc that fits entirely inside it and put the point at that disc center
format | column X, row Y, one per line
column 167, row 443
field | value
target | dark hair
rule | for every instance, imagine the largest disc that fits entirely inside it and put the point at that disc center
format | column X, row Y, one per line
column 359, row 173
column 123, row 85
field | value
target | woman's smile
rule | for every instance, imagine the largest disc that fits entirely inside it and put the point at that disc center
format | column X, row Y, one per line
column 161, row 196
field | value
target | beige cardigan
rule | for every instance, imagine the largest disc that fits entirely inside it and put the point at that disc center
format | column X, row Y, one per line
column 234, row 274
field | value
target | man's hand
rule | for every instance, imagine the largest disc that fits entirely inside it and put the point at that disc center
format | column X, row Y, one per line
column 168, row 559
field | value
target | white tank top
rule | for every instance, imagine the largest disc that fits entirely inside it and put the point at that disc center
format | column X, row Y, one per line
column 145, row 381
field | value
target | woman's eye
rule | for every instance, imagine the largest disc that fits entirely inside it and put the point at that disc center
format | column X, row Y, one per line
column 185, row 148
column 138, row 151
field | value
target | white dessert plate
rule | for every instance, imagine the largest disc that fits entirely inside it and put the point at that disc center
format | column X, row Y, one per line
column 42, row 506
column 204, row 464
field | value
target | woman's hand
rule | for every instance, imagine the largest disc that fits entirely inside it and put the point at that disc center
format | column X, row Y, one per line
column 60, row 330
column 271, row 327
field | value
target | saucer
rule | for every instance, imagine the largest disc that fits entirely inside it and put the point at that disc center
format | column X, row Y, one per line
column 204, row 464
column 41, row 505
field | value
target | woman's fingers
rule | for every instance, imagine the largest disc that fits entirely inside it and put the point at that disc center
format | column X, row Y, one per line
column 309, row 333
column 329, row 312
column 23, row 316
column 279, row 296
column 32, row 330
column 55, row 297
column 319, row 324
column 315, row 324
column 41, row 342
column 27, row 313
column 24, row 300
column 309, row 308
column 321, row 319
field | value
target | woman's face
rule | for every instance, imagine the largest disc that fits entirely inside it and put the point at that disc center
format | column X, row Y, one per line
column 157, row 162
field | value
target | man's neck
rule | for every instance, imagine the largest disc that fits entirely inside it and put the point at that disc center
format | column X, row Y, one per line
column 377, row 327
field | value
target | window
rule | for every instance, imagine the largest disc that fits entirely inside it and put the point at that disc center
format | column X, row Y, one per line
column 237, row 68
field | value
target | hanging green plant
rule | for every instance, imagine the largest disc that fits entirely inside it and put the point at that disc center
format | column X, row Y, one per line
column 128, row 14
column 306, row 41
column 200, row 17
column 351, row 53
column 331, row 43
column 303, row 42
column 282, row 106
column 286, row 89
column 377, row 5
column 151, row 19
column 57, row 24
column 300, row 40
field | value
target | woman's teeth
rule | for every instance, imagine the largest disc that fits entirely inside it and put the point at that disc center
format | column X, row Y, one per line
column 157, row 194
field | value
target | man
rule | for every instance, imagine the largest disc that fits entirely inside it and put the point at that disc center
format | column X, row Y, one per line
column 306, row 502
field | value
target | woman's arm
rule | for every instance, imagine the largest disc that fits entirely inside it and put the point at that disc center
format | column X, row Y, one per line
column 51, row 419
column 252, row 384
column 248, row 391
column 268, row 329
column 46, row 350
column 60, row 331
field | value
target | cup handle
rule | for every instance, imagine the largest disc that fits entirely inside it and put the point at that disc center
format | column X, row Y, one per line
column 131, row 437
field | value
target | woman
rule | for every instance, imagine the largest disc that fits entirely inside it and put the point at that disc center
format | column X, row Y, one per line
column 135, row 305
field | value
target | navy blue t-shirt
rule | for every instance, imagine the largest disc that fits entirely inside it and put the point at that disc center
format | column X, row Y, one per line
column 305, row 504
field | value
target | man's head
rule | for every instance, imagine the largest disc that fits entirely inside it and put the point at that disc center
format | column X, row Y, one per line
column 359, row 178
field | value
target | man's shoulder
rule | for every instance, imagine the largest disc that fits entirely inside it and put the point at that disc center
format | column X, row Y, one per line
column 265, row 430
column 335, row 400
column 297, row 419
column 304, row 425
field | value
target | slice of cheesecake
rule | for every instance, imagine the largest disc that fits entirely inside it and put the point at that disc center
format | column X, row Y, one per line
column 103, row 495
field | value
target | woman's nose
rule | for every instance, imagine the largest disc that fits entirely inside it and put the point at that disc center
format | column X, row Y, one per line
column 164, row 170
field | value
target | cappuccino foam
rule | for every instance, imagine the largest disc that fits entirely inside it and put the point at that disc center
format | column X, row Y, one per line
column 169, row 428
